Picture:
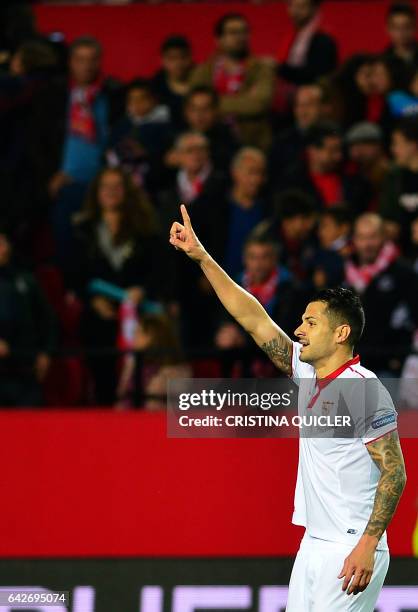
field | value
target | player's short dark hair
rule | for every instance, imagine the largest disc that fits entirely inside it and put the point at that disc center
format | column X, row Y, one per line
column 344, row 306
column 294, row 203
column 86, row 41
column 203, row 90
column 177, row 42
column 339, row 214
column 316, row 134
column 219, row 28
column 408, row 127
column 401, row 8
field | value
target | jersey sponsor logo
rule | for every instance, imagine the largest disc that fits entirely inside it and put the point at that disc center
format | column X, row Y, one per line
column 352, row 531
column 382, row 421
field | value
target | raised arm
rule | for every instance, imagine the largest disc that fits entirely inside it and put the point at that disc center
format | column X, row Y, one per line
column 387, row 455
column 245, row 309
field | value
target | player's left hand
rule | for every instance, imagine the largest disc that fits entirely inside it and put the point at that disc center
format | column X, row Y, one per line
column 358, row 568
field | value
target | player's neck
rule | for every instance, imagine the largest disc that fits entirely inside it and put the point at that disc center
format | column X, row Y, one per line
column 329, row 365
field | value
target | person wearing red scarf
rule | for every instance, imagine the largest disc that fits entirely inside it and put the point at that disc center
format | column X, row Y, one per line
column 321, row 173
column 388, row 288
column 244, row 83
column 306, row 52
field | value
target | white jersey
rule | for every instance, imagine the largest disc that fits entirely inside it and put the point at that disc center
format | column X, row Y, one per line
column 337, row 478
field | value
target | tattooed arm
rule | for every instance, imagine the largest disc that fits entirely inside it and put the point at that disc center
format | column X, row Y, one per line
column 244, row 307
column 387, row 455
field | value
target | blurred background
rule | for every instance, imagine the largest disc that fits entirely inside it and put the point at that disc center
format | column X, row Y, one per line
column 290, row 131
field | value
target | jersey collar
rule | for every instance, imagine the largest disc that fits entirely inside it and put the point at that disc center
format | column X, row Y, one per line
column 324, row 381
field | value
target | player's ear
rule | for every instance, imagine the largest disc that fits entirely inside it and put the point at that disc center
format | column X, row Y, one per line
column 343, row 332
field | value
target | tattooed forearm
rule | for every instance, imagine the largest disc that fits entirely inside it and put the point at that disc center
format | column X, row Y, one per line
column 279, row 350
column 387, row 455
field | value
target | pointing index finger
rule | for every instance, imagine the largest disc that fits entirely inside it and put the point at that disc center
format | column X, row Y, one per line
column 185, row 215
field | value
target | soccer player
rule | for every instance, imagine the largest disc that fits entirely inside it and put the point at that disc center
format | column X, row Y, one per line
column 347, row 488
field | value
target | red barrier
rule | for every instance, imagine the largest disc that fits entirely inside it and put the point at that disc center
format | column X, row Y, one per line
column 101, row 483
column 132, row 34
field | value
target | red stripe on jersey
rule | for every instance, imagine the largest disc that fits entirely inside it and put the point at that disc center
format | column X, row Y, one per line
column 357, row 372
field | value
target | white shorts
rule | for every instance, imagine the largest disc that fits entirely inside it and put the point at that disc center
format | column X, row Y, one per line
column 314, row 586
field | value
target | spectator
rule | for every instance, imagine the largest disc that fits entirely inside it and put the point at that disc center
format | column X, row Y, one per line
column 399, row 201
column 270, row 282
column 389, row 292
column 197, row 183
column 140, row 138
column 31, row 66
column 244, row 82
column 367, row 154
column 171, row 83
column 357, row 91
column 159, row 359
column 405, row 103
column 32, row 57
column 70, row 123
column 334, row 230
column 88, row 117
column 292, row 228
column 403, row 49
column 201, row 113
column 116, row 236
column 321, row 174
column 414, row 242
column 289, row 145
column 27, row 333
column 307, row 52
column 244, row 209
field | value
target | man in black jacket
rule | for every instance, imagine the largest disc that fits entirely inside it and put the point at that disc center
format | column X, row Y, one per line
column 308, row 52
column 402, row 53
column 388, row 288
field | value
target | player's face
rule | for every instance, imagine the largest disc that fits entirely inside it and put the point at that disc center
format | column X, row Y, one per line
column 316, row 334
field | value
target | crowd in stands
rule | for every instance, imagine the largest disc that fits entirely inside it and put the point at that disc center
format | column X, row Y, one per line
column 299, row 173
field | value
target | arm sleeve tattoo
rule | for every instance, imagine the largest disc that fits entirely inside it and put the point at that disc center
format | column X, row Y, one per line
column 387, row 455
column 279, row 350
